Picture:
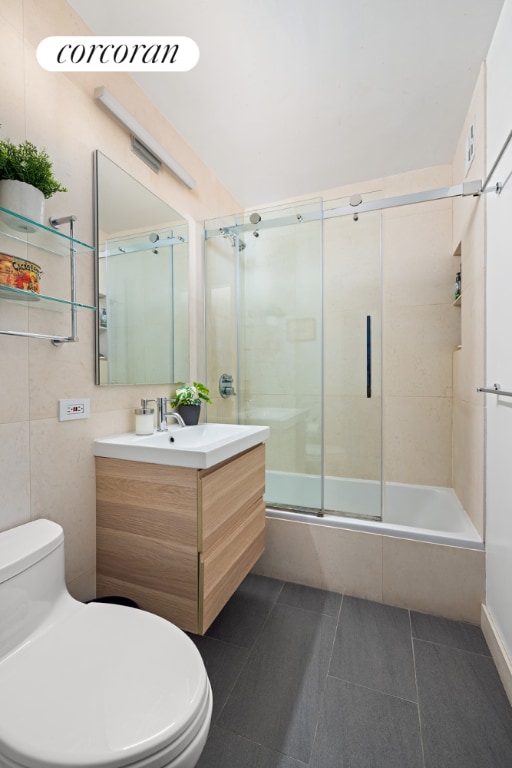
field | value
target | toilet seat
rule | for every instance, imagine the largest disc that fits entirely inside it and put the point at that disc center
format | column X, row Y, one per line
column 98, row 704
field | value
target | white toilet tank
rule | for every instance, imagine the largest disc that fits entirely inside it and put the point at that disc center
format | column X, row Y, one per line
column 32, row 583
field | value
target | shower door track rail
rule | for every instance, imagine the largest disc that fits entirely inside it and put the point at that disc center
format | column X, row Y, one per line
column 467, row 189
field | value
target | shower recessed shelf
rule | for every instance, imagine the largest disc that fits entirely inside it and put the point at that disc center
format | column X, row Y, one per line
column 458, row 301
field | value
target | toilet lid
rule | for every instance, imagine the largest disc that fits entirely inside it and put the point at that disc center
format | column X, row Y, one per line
column 107, row 686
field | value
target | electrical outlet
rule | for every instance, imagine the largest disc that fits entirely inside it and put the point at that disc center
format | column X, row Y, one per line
column 78, row 408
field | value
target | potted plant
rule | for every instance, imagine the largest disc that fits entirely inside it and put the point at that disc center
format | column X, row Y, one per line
column 26, row 179
column 187, row 401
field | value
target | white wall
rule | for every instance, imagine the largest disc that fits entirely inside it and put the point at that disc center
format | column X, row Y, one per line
column 499, row 338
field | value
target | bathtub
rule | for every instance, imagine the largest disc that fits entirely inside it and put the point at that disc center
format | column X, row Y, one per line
column 421, row 512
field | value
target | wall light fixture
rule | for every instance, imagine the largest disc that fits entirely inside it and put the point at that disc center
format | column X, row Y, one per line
column 122, row 115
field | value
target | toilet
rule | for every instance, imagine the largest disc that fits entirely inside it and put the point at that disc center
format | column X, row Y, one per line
column 90, row 685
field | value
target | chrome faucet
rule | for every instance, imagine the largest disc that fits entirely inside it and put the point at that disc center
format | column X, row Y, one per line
column 163, row 414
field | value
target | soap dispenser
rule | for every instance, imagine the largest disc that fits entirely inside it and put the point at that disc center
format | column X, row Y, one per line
column 144, row 419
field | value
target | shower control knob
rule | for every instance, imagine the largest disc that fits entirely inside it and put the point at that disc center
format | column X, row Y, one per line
column 226, row 387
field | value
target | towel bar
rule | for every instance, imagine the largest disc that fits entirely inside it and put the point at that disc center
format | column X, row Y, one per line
column 495, row 390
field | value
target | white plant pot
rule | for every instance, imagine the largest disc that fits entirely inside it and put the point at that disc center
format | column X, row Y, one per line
column 24, row 199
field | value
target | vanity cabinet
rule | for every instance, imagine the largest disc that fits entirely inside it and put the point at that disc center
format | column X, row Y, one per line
column 179, row 541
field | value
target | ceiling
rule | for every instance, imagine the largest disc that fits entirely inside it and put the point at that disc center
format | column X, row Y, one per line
column 292, row 97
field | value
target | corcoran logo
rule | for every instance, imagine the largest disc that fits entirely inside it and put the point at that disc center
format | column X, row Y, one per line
column 117, row 54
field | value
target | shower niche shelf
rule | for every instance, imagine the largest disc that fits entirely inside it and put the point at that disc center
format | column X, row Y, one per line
column 29, row 240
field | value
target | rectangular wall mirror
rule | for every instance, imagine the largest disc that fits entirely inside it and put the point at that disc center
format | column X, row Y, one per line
column 142, row 283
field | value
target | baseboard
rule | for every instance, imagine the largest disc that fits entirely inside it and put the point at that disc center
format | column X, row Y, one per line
column 498, row 651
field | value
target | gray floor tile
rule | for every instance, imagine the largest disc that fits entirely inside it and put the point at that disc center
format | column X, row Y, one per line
column 373, row 647
column 465, row 715
column 310, row 599
column 361, row 728
column 277, row 698
column 242, row 618
column 225, row 749
column 457, row 634
column 223, row 664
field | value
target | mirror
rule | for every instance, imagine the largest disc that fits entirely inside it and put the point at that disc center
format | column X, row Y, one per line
column 141, row 282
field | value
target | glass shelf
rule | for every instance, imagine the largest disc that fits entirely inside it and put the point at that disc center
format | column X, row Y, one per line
column 19, row 296
column 44, row 238
column 39, row 236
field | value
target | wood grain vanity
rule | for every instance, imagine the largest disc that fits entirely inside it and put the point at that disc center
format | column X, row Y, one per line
column 177, row 540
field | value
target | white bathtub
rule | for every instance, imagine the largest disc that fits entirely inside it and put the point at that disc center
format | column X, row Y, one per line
column 422, row 512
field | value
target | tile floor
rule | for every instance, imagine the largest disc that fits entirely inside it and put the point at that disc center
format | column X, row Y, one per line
column 303, row 677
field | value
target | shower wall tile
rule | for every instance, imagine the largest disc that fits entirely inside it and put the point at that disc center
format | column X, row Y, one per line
column 345, row 359
column 469, row 459
column 418, row 440
column 352, row 264
column 464, row 207
column 473, row 246
column 471, row 358
column 352, row 436
column 417, row 181
column 320, row 556
column 418, row 268
column 431, row 578
column 286, row 449
column 418, row 347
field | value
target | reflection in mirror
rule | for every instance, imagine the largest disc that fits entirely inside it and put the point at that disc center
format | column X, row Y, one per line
column 142, row 283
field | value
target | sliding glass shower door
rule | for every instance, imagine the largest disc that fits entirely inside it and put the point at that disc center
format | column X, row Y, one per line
column 293, row 315
column 264, row 326
column 353, row 364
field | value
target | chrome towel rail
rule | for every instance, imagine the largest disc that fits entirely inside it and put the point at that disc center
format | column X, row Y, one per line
column 495, row 390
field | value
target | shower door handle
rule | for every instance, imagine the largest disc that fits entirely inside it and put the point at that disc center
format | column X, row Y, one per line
column 368, row 356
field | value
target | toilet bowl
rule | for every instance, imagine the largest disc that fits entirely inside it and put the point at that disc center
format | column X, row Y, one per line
column 90, row 685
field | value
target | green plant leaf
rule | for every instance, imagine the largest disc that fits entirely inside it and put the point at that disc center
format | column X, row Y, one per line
column 24, row 162
column 191, row 394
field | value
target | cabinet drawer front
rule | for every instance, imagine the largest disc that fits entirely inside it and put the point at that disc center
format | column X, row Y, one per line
column 149, row 500
column 147, row 562
column 226, row 493
column 223, row 569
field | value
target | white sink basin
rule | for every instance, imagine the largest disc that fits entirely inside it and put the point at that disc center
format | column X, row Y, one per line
column 197, row 447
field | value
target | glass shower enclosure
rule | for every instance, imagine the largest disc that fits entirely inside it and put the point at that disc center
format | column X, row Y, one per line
column 293, row 306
